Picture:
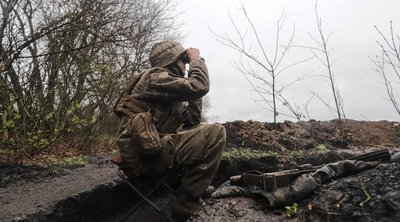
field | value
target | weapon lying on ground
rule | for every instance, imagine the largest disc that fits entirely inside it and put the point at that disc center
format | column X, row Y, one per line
column 274, row 180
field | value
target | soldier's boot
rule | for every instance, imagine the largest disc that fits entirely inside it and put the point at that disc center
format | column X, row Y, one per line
column 209, row 191
column 395, row 157
column 186, row 206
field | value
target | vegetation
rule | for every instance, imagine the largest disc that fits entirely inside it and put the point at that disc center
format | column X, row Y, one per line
column 56, row 165
column 368, row 197
column 64, row 63
column 236, row 154
column 3, row 179
column 387, row 64
column 74, row 161
column 322, row 53
column 321, row 147
column 292, row 211
column 263, row 66
column 297, row 154
column 270, row 61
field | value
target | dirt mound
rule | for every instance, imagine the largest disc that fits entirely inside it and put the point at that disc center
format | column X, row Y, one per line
column 29, row 190
column 285, row 136
column 373, row 195
column 33, row 193
column 345, row 199
column 270, row 147
column 262, row 136
column 314, row 142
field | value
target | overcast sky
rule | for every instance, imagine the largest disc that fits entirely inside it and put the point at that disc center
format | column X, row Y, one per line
column 353, row 39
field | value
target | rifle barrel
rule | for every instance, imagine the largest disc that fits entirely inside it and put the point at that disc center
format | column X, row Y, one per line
column 383, row 154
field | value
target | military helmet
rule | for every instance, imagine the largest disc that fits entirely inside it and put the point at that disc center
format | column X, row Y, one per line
column 164, row 53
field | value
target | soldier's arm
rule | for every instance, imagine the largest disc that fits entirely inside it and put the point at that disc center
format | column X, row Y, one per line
column 164, row 87
column 182, row 89
column 192, row 114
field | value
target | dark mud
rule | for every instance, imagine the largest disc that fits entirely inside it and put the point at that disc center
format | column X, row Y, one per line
column 93, row 192
column 289, row 136
column 37, row 194
column 12, row 172
column 241, row 209
column 346, row 199
column 340, row 200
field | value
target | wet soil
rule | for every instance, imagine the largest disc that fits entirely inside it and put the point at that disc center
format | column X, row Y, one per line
column 34, row 193
column 372, row 195
column 343, row 199
column 93, row 192
column 289, row 136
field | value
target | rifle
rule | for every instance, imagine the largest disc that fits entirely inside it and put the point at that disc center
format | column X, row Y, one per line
column 274, row 180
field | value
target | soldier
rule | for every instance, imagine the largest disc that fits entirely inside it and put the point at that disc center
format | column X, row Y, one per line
column 175, row 102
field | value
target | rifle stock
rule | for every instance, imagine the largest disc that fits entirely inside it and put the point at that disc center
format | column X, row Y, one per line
column 273, row 180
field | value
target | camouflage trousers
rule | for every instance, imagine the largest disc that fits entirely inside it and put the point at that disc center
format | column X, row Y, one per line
column 299, row 188
column 198, row 151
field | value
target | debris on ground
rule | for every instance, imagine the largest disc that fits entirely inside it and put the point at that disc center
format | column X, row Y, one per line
column 52, row 192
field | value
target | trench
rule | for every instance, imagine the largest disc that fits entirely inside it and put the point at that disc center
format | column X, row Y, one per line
column 112, row 201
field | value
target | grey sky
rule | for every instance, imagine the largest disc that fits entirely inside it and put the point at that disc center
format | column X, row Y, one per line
column 353, row 39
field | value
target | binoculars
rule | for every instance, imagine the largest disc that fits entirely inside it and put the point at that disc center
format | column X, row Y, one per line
column 185, row 58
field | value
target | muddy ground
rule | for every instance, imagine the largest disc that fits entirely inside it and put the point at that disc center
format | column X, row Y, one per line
column 93, row 192
column 316, row 142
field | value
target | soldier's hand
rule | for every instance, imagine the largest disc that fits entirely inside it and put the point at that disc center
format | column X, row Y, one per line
column 228, row 190
column 193, row 54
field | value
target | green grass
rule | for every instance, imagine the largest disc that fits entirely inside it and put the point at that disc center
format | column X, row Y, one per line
column 367, row 195
column 292, row 211
column 321, row 147
column 74, row 161
column 297, row 154
column 236, row 154
column 114, row 151
column 3, row 179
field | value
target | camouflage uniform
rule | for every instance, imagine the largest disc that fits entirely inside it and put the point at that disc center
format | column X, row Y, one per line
column 300, row 187
column 175, row 103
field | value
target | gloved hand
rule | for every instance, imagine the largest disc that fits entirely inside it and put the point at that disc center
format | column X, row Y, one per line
column 228, row 190
column 395, row 157
column 193, row 54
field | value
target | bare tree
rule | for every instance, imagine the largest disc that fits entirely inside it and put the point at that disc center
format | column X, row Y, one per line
column 271, row 63
column 387, row 65
column 323, row 54
column 63, row 63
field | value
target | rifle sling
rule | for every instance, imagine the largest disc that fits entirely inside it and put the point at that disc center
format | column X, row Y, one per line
column 272, row 181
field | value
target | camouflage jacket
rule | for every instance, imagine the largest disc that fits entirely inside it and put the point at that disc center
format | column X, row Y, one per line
column 174, row 101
